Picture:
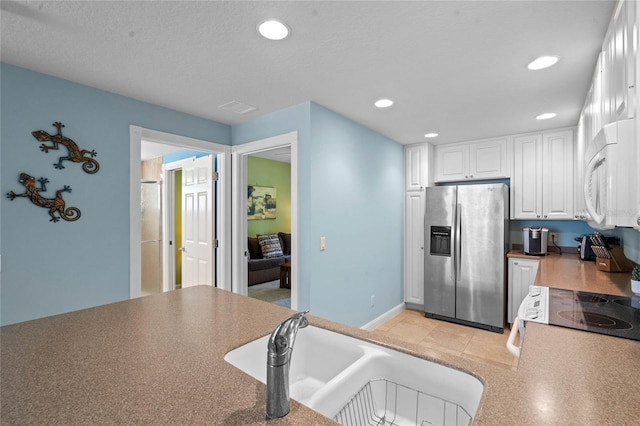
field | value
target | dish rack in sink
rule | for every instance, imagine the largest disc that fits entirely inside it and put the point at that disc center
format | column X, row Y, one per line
column 382, row 402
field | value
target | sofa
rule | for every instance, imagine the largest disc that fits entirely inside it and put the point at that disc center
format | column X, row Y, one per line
column 263, row 268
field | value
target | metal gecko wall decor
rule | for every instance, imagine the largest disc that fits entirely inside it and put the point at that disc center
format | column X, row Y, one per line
column 75, row 154
column 55, row 205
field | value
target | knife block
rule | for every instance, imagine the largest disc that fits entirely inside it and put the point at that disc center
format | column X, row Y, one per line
column 618, row 262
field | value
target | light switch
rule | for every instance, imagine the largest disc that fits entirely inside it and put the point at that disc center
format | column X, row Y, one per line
column 322, row 243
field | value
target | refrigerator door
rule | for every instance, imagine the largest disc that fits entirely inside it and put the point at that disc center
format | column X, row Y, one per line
column 439, row 265
column 483, row 215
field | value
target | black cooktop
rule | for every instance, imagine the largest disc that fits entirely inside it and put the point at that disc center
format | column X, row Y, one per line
column 599, row 313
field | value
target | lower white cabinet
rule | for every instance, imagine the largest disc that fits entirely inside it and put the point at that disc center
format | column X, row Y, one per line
column 521, row 275
column 414, row 247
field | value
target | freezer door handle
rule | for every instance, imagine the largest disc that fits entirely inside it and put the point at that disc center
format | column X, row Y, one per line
column 457, row 244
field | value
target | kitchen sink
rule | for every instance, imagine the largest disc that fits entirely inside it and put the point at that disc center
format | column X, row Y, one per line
column 331, row 372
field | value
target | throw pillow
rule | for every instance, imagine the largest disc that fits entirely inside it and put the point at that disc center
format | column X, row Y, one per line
column 285, row 241
column 270, row 245
column 255, row 252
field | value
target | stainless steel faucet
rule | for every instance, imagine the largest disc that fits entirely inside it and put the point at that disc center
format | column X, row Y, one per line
column 279, row 351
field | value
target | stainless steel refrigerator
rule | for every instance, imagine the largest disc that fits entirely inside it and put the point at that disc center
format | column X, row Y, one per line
column 466, row 241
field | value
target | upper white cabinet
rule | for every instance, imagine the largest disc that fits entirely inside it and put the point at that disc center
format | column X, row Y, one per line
column 416, row 166
column 472, row 161
column 542, row 182
column 618, row 62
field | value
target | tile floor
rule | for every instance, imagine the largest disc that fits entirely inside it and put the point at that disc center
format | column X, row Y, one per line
column 434, row 336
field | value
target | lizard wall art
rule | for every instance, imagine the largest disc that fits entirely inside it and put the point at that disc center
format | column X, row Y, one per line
column 76, row 154
column 54, row 205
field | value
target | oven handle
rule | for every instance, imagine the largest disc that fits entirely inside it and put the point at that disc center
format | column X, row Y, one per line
column 511, row 347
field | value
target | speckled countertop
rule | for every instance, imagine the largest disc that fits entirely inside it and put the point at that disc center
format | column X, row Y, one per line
column 159, row 360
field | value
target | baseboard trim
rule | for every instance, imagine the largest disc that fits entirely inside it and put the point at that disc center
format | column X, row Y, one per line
column 383, row 318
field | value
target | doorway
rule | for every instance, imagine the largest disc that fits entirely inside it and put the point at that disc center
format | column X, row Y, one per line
column 220, row 201
column 240, row 205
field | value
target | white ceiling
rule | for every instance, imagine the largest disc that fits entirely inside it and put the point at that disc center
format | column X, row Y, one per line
column 452, row 67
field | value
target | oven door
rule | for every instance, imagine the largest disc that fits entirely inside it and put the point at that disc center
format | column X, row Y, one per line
column 533, row 308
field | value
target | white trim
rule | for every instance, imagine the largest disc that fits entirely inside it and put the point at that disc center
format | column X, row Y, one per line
column 168, row 228
column 223, row 152
column 239, row 202
column 376, row 322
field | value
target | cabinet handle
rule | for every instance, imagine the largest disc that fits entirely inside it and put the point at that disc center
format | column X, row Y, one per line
column 538, row 216
column 515, row 263
column 471, row 176
column 466, row 177
column 545, row 216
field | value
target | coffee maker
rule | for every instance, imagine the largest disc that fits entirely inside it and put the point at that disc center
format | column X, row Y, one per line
column 535, row 240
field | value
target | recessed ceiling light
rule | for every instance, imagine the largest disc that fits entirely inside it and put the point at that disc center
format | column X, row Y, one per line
column 383, row 103
column 546, row 116
column 273, row 30
column 431, row 135
column 542, row 62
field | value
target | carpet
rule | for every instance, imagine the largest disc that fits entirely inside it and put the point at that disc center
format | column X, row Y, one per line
column 272, row 293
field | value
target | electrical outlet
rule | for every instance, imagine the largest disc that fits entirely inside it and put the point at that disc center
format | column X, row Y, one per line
column 373, row 300
column 553, row 237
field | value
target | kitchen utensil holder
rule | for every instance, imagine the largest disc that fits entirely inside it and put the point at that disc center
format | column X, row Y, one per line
column 617, row 261
column 383, row 402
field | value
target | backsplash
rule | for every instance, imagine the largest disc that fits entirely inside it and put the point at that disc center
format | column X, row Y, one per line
column 630, row 241
column 568, row 230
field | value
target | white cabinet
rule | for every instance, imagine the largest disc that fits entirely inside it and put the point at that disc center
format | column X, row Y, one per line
column 542, row 182
column 414, row 247
column 583, row 133
column 521, row 274
column 416, row 166
column 618, row 64
column 486, row 159
column 417, row 178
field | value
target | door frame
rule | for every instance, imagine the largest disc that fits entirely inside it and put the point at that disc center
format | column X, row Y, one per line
column 239, row 202
column 222, row 200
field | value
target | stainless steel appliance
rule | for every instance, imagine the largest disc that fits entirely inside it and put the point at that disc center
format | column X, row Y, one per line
column 466, row 237
column 534, row 239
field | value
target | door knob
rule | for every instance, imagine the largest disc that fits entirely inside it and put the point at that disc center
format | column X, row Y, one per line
column 183, row 248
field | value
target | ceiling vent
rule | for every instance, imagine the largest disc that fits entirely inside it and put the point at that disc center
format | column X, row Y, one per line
column 238, row 107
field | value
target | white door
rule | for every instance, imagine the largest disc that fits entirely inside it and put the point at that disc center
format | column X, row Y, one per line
column 197, row 226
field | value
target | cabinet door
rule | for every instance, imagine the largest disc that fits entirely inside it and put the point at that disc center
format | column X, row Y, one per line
column 415, row 166
column 557, row 173
column 452, row 163
column 526, row 184
column 579, row 207
column 488, row 160
column 522, row 274
column 414, row 247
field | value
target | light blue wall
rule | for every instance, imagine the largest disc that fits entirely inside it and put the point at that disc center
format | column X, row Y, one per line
column 50, row 268
column 351, row 192
column 181, row 155
column 357, row 203
column 296, row 118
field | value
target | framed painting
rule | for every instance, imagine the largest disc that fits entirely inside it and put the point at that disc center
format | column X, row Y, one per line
column 261, row 202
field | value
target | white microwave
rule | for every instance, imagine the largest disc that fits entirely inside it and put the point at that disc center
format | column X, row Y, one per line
column 611, row 181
